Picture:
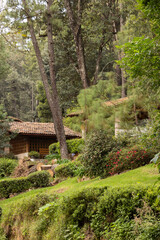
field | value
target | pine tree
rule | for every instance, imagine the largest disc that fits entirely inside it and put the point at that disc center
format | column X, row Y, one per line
column 4, row 130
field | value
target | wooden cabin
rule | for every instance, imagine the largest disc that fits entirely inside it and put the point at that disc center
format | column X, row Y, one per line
column 34, row 136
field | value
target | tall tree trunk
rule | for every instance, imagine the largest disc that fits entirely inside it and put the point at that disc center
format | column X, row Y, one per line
column 120, row 71
column 124, row 90
column 57, row 111
column 75, row 26
column 52, row 96
column 98, row 62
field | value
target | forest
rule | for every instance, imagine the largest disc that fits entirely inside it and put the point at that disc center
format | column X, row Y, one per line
column 89, row 67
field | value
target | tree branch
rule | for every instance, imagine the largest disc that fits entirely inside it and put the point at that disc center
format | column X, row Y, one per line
column 12, row 45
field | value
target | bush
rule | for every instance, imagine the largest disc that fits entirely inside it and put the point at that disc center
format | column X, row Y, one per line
column 65, row 170
column 9, row 155
column 52, row 156
column 39, row 179
column 126, row 159
column 34, row 154
column 62, row 161
column 2, row 235
column 97, row 146
column 70, row 169
column 7, row 166
column 101, row 213
column 25, row 209
column 17, row 185
column 11, row 186
column 105, row 213
column 73, row 145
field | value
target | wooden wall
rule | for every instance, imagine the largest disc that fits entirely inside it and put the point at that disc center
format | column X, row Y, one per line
column 20, row 144
column 41, row 144
column 23, row 144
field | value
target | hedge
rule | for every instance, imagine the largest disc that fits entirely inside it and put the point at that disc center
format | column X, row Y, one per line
column 17, row 185
column 39, row 179
column 70, row 169
column 123, row 213
column 11, row 186
column 73, row 145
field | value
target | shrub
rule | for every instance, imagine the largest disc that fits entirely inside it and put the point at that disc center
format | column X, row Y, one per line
column 24, row 211
column 11, row 186
column 105, row 213
column 70, row 169
column 62, row 161
column 2, row 235
column 73, row 145
column 39, row 179
column 65, row 170
column 8, row 155
column 99, row 213
column 97, row 146
column 17, row 185
column 126, row 159
column 7, row 166
column 52, row 156
column 34, row 154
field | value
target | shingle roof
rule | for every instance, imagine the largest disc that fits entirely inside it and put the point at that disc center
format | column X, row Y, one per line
column 116, row 102
column 75, row 114
column 36, row 128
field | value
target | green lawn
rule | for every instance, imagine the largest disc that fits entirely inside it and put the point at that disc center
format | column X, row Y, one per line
column 147, row 175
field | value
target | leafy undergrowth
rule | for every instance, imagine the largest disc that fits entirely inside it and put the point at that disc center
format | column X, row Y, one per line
column 125, row 206
column 144, row 175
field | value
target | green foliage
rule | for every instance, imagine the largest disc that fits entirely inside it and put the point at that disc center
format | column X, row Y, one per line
column 12, row 186
column 73, row 123
column 151, row 10
column 26, row 209
column 53, row 156
column 156, row 160
column 17, row 185
column 2, row 235
column 73, row 145
column 91, row 100
column 141, row 61
column 4, row 128
column 7, row 166
column 69, row 169
column 151, row 137
column 17, row 84
column 110, row 213
column 97, row 145
column 9, row 155
column 62, row 161
column 34, row 154
column 126, row 159
column 44, row 112
column 39, row 179
column 65, row 170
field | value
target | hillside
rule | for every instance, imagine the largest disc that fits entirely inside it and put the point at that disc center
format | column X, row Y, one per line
column 146, row 175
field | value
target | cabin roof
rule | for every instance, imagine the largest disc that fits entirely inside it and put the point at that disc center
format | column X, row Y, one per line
column 36, row 128
column 116, row 102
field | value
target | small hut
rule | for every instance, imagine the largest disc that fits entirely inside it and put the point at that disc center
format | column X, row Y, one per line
column 35, row 136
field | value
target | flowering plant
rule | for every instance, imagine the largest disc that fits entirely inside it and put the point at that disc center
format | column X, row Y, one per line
column 126, row 159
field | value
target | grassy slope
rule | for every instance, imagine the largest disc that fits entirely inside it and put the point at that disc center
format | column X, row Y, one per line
column 143, row 175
